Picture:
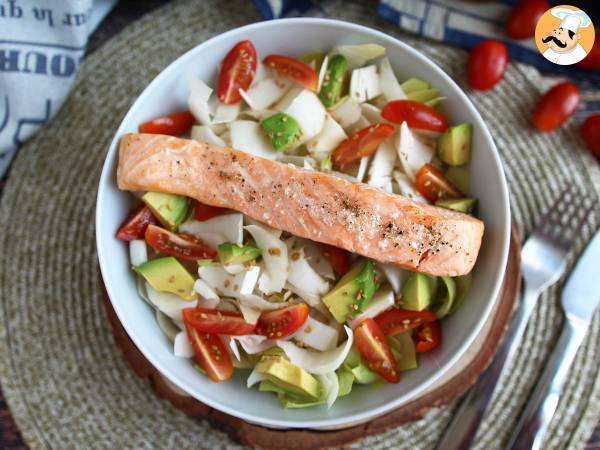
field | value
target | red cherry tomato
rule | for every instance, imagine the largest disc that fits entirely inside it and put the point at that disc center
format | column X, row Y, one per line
column 592, row 60
column 590, row 130
column 524, row 17
column 338, row 258
column 487, row 63
column 282, row 322
column 362, row 143
column 415, row 114
column 396, row 321
column 556, row 106
column 295, row 70
column 217, row 322
column 237, row 72
column 428, row 337
column 182, row 246
column 433, row 185
column 135, row 225
column 375, row 350
column 172, row 125
column 211, row 353
column 204, row 212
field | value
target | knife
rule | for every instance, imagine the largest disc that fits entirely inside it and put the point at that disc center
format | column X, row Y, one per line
column 580, row 297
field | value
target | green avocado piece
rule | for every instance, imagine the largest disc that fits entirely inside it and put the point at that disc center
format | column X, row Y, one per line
column 315, row 56
column 417, row 292
column 423, row 95
column 445, row 296
column 463, row 205
column 333, row 82
column 288, row 376
column 170, row 209
column 168, row 275
column 454, row 145
column 403, row 349
column 414, row 84
column 463, row 285
column 459, row 177
column 282, row 129
column 230, row 253
column 353, row 292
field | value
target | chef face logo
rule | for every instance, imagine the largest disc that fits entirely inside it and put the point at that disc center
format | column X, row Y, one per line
column 564, row 35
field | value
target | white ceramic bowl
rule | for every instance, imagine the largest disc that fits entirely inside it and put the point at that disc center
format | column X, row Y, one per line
column 167, row 93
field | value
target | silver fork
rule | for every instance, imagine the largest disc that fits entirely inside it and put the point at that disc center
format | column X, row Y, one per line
column 543, row 262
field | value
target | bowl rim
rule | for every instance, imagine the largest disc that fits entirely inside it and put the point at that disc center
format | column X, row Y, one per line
column 353, row 418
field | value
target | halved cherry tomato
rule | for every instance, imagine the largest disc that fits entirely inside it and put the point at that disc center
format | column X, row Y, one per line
column 556, row 106
column 487, row 63
column 205, row 212
column 592, row 60
column 375, row 350
column 282, row 322
column 433, row 184
column 217, row 322
column 172, row 125
column 338, row 258
column 590, row 130
column 524, row 17
column 211, row 353
column 428, row 337
column 237, row 72
column 396, row 321
column 362, row 143
column 415, row 114
column 294, row 69
column 182, row 246
column 135, row 225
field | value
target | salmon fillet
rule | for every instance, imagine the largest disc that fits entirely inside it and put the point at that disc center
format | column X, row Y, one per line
column 318, row 206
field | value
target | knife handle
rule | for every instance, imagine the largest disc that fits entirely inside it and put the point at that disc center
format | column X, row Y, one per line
column 535, row 420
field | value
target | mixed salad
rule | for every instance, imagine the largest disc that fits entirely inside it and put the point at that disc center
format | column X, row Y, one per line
column 308, row 320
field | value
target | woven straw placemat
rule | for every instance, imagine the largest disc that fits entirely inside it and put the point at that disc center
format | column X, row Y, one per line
column 62, row 375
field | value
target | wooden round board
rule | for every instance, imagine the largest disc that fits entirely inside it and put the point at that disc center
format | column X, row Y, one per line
column 453, row 384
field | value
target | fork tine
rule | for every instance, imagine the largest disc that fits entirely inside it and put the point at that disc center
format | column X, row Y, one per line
column 564, row 220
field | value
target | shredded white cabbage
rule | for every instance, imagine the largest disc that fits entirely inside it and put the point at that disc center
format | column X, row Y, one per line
column 229, row 285
column 266, row 92
column 372, row 113
column 224, row 228
column 138, row 252
column 330, row 137
column 390, row 88
column 250, row 314
column 382, row 165
column 309, row 297
column 346, row 112
column 309, row 112
column 274, row 258
column 226, row 113
column 204, row 133
column 255, row 377
column 260, row 304
column 198, row 101
column 413, row 153
column 316, row 259
column 181, row 346
column 254, row 343
column 205, row 291
column 407, row 188
column 247, row 136
column 364, row 84
column 303, row 276
column 169, row 304
column 322, row 72
column 168, row 326
column 382, row 300
column 234, row 269
column 394, row 274
column 318, row 363
column 362, row 168
column 317, row 335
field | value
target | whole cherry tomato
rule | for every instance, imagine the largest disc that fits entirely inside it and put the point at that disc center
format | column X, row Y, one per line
column 487, row 63
column 524, row 17
column 556, row 106
column 590, row 130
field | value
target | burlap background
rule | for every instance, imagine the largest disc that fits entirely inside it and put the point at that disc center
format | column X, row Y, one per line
column 63, row 377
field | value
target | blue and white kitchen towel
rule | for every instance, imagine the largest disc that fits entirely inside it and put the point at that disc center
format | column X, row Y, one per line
column 42, row 43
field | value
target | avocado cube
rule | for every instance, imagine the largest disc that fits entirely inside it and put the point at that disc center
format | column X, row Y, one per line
column 463, row 205
column 170, row 209
column 230, row 253
column 459, row 177
column 417, row 292
column 353, row 292
column 454, row 145
column 414, row 84
column 289, row 377
column 168, row 275
column 333, row 82
column 282, row 129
